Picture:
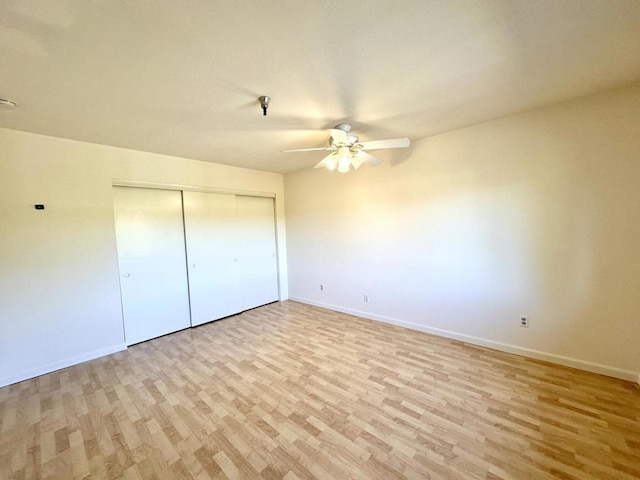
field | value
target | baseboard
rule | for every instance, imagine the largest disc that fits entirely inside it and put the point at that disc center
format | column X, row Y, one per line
column 483, row 342
column 67, row 362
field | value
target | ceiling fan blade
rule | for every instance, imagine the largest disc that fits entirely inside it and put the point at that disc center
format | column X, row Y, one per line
column 329, row 161
column 339, row 136
column 388, row 143
column 368, row 159
column 306, row 149
column 356, row 162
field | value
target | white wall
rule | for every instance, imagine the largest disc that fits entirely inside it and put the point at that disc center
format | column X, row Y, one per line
column 536, row 214
column 59, row 286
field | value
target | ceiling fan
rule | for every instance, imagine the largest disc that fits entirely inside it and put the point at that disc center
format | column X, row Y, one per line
column 347, row 151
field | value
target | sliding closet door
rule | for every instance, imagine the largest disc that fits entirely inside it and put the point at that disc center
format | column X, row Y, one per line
column 212, row 255
column 151, row 254
column 258, row 268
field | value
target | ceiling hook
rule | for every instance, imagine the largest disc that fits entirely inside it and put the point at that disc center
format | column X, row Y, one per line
column 264, row 103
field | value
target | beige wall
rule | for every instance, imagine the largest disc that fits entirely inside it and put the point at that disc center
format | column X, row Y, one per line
column 59, row 295
column 536, row 214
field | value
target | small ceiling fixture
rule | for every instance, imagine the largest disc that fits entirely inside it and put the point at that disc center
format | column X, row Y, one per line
column 7, row 103
column 349, row 152
column 264, row 103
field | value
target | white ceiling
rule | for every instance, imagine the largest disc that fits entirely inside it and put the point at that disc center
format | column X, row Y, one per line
column 182, row 77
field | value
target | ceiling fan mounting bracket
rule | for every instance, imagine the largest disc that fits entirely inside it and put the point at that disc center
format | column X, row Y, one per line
column 345, row 127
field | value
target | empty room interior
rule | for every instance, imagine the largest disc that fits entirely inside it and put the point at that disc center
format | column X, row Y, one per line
column 320, row 239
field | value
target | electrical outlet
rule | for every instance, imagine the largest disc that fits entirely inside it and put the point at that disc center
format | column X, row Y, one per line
column 322, row 287
column 365, row 298
column 524, row 321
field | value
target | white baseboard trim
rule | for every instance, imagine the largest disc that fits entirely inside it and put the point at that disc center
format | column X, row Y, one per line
column 483, row 342
column 67, row 362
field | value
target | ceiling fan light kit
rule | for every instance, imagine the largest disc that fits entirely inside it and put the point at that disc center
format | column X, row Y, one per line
column 348, row 152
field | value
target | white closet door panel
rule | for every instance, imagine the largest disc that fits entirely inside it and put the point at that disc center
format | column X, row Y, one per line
column 151, row 254
column 257, row 263
column 212, row 243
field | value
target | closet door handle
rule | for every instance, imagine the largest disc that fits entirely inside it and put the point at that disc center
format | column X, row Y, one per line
column 126, row 275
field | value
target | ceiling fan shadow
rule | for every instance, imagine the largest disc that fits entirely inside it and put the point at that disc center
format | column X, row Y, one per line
column 394, row 157
column 399, row 156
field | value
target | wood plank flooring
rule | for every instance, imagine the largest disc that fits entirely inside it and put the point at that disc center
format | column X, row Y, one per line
column 291, row 391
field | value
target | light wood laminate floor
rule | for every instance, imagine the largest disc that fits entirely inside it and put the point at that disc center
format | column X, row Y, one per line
column 296, row 392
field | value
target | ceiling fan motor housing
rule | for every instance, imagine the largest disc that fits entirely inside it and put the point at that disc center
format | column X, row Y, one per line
column 351, row 139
